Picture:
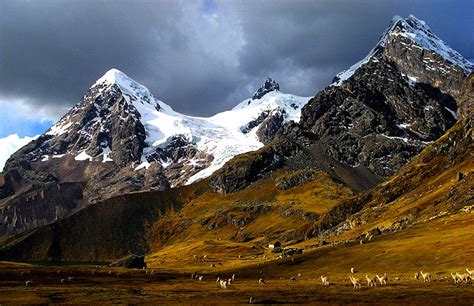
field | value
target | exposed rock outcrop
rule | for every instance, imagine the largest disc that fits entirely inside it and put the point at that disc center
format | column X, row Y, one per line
column 269, row 86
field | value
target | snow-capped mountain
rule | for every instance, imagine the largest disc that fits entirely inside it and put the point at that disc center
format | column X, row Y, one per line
column 120, row 120
column 375, row 115
column 120, row 124
column 119, row 138
column 403, row 92
column 416, row 50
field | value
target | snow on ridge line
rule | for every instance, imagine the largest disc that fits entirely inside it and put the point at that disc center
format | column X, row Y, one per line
column 220, row 135
column 129, row 87
column 418, row 32
column 346, row 74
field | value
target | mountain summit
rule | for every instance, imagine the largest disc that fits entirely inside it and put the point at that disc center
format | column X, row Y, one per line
column 421, row 55
column 269, row 86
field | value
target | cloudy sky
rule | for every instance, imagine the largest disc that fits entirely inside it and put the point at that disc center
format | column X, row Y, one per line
column 200, row 57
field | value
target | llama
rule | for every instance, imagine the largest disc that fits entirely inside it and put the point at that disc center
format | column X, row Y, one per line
column 370, row 281
column 382, row 279
column 353, row 270
column 200, row 278
column 355, row 282
column 233, row 277
column 324, row 280
column 465, row 277
column 222, row 284
column 425, row 276
column 261, row 281
column 455, row 277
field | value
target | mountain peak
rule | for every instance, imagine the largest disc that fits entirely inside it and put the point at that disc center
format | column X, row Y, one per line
column 112, row 76
column 131, row 89
column 417, row 32
column 269, row 86
column 412, row 33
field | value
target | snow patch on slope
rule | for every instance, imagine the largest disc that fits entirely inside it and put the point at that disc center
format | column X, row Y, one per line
column 83, row 156
column 58, row 129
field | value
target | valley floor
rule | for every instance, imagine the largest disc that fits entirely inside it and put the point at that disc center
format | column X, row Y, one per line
column 161, row 287
column 289, row 280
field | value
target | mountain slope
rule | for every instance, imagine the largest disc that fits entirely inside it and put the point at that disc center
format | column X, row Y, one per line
column 436, row 184
column 374, row 117
column 435, row 187
column 193, row 219
column 119, row 139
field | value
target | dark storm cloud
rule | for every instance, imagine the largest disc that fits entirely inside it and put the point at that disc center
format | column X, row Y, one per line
column 321, row 38
column 198, row 56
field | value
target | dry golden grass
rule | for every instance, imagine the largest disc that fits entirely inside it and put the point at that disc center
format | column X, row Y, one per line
column 400, row 255
column 261, row 210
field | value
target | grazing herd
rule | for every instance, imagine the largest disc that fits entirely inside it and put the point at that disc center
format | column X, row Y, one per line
column 464, row 277
column 356, row 282
column 425, row 277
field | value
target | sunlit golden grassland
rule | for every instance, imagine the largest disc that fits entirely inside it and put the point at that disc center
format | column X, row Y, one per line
column 291, row 280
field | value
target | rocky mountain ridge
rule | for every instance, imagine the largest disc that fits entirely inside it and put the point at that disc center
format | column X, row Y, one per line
column 373, row 118
column 120, row 139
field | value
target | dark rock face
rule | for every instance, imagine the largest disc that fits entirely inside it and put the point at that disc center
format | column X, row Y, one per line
column 256, row 122
column 426, row 66
column 269, row 86
column 183, row 160
column 268, row 123
column 377, row 119
column 239, row 173
column 270, row 126
column 91, row 127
